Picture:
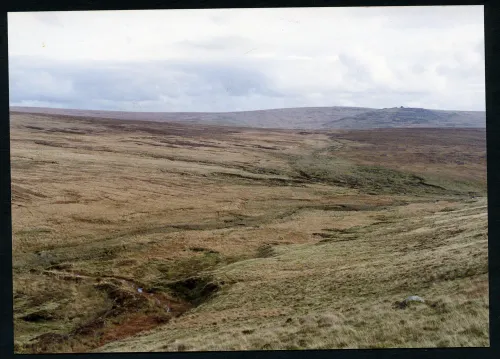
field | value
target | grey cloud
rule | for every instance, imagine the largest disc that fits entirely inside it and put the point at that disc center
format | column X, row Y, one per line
column 470, row 73
column 268, row 77
column 37, row 85
column 204, row 86
column 355, row 70
column 236, row 83
column 233, row 80
column 196, row 86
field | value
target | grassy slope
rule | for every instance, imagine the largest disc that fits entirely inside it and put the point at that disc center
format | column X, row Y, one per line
column 277, row 238
column 339, row 292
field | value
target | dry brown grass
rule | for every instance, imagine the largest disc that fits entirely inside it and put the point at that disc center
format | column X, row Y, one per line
column 257, row 239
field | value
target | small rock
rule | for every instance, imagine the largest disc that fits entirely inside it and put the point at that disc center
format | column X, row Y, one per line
column 139, row 290
column 414, row 298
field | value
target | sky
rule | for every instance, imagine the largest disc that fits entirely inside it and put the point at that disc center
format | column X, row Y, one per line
column 218, row 60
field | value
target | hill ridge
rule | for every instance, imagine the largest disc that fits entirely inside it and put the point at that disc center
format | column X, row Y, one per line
column 306, row 118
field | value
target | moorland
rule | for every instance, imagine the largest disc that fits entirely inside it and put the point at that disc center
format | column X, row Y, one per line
column 164, row 236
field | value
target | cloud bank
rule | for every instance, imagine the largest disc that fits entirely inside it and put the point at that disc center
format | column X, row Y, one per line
column 248, row 59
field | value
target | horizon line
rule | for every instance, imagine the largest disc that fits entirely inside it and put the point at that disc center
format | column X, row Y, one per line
column 241, row 111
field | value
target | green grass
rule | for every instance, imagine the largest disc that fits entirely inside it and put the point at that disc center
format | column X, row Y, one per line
column 371, row 179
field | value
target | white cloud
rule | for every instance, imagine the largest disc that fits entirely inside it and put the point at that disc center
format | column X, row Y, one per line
column 432, row 56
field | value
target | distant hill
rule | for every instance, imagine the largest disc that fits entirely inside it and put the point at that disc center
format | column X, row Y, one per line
column 410, row 117
column 311, row 118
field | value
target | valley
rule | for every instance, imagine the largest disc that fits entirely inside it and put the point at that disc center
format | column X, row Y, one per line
column 132, row 235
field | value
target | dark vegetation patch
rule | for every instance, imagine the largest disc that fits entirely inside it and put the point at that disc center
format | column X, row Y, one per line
column 173, row 143
column 123, row 300
column 415, row 137
column 246, row 168
column 369, row 179
column 33, row 231
column 265, row 147
column 28, row 164
column 458, row 273
column 35, row 128
column 38, row 316
column 164, row 129
column 195, row 290
column 261, row 170
column 186, row 267
column 25, row 193
column 69, row 130
column 64, row 276
column 77, row 218
column 57, row 130
column 336, row 236
column 439, row 306
column 454, row 231
column 76, row 147
column 265, row 251
column 61, row 266
column 194, row 144
column 201, row 249
column 259, row 181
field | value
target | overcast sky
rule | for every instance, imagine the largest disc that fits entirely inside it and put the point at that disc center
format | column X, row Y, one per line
column 248, row 59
